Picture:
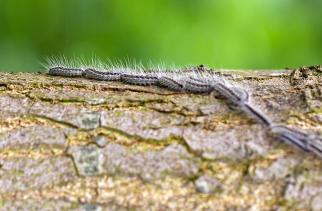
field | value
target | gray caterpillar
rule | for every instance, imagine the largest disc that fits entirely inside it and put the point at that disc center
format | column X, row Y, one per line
column 195, row 80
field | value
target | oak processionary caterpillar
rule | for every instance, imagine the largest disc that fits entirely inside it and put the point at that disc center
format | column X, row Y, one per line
column 190, row 80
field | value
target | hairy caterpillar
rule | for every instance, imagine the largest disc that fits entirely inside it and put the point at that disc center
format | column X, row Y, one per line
column 191, row 80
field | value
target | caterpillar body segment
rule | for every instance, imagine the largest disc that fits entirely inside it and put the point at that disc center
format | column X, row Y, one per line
column 234, row 95
column 304, row 141
column 101, row 76
column 197, row 86
column 256, row 114
column 65, row 72
column 291, row 136
column 316, row 145
column 242, row 94
column 141, row 80
column 171, row 84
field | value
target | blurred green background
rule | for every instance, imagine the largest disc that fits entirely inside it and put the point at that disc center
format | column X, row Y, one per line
column 224, row 34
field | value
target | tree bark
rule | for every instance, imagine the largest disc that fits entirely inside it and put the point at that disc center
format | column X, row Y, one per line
column 78, row 144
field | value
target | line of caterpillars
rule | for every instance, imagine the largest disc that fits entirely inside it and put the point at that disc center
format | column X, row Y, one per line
column 198, row 80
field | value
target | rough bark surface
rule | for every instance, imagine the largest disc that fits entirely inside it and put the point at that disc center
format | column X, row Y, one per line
column 78, row 144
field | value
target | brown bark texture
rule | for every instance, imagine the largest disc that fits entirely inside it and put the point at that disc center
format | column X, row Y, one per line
column 79, row 144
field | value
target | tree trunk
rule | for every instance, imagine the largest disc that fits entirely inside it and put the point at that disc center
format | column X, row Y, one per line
column 73, row 143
